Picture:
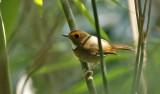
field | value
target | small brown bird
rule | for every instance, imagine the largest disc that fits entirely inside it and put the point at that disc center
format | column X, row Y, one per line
column 85, row 46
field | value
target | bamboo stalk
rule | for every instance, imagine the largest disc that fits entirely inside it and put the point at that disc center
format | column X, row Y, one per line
column 5, row 86
column 132, row 12
column 69, row 16
column 141, row 43
column 89, row 79
column 103, row 66
column 135, row 29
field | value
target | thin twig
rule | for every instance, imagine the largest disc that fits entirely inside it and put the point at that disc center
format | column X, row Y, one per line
column 140, row 67
column 137, row 16
column 149, row 14
column 141, row 45
column 103, row 67
column 69, row 16
column 144, row 11
column 140, row 8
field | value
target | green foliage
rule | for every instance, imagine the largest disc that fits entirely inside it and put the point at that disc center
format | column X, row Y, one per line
column 82, row 8
column 112, row 74
column 61, row 64
column 9, row 9
column 35, row 42
column 5, row 87
column 119, row 4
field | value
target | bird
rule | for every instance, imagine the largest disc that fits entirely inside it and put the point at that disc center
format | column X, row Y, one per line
column 85, row 46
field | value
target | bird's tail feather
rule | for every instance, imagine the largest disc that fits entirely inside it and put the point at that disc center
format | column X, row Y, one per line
column 122, row 47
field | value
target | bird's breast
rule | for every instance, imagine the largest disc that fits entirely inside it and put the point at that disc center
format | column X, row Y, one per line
column 85, row 55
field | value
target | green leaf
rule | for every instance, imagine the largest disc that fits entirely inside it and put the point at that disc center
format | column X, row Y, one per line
column 4, row 70
column 39, row 6
column 9, row 13
column 82, row 8
column 38, row 2
column 119, row 4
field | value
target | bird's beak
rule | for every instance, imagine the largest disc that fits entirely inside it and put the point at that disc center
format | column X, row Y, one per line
column 66, row 35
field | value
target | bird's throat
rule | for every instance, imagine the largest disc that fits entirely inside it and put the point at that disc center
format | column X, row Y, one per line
column 73, row 45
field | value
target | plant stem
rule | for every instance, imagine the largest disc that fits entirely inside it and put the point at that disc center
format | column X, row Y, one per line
column 89, row 79
column 69, row 16
column 149, row 14
column 103, row 66
column 5, row 86
column 141, row 43
column 139, row 71
column 134, row 19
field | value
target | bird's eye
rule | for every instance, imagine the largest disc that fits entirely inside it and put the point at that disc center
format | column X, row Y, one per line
column 76, row 35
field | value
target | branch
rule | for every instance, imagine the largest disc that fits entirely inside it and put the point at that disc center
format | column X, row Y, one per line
column 103, row 67
column 141, row 45
column 69, row 16
column 149, row 14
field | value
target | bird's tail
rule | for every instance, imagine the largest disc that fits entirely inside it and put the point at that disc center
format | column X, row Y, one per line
column 122, row 47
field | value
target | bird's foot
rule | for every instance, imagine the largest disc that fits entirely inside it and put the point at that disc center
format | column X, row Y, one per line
column 88, row 72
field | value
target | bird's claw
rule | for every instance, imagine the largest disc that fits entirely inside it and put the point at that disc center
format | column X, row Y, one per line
column 88, row 72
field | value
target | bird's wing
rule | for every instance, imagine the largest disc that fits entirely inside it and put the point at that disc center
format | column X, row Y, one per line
column 107, row 48
column 92, row 46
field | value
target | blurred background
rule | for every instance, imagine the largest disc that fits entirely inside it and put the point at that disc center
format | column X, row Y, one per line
column 37, row 49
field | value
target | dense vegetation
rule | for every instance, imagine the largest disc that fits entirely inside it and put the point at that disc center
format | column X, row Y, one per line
column 37, row 52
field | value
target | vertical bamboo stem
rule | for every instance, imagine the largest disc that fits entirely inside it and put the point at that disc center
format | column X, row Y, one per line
column 89, row 79
column 103, row 66
column 69, row 16
column 141, row 43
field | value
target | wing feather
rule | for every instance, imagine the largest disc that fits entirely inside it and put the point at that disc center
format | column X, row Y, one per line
column 92, row 46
